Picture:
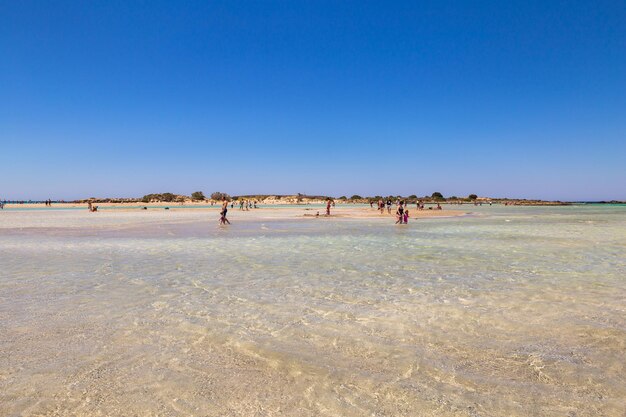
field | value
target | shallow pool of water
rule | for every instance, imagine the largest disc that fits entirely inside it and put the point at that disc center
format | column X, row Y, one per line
column 512, row 311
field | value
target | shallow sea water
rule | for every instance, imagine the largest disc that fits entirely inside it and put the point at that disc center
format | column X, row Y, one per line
column 508, row 312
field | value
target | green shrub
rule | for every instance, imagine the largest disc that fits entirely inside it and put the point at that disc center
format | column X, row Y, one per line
column 219, row 196
column 198, row 196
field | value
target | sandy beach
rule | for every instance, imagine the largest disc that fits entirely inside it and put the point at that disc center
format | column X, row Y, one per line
column 348, row 211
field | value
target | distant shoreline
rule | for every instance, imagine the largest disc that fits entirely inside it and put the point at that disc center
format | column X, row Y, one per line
column 207, row 205
column 199, row 199
column 299, row 200
column 307, row 211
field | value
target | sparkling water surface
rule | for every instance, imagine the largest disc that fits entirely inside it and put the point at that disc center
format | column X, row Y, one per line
column 510, row 311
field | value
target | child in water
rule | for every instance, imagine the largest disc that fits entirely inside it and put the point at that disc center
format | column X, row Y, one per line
column 406, row 216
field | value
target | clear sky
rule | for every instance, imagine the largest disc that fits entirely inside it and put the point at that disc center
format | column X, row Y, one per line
column 123, row 98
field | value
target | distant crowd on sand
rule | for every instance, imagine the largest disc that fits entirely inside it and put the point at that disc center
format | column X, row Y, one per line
column 402, row 209
column 401, row 212
column 400, row 203
column 244, row 205
column 48, row 203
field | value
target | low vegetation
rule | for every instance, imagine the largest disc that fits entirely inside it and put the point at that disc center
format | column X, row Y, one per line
column 166, row 197
column 219, row 196
column 198, row 196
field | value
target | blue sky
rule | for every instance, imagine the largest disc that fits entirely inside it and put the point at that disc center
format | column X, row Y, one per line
column 115, row 98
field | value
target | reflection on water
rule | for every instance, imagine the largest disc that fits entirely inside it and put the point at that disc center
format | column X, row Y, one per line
column 511, row 312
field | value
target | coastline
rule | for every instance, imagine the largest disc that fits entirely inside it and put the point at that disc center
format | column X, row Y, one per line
column 307, row 211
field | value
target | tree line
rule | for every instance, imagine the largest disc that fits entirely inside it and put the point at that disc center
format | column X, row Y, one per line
column 219, row 196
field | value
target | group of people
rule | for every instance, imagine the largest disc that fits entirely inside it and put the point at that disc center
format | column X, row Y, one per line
column 245, row 205
column 402, row 212
column 47, row 203
column 91, row 207
column 382, row 204
column 420, row 206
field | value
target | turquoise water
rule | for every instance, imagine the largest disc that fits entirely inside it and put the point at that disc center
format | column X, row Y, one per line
column 511, row 311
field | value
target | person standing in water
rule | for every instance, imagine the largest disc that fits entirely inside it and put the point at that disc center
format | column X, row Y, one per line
column 223, row 219
column 328, row 207
column 400, row 213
